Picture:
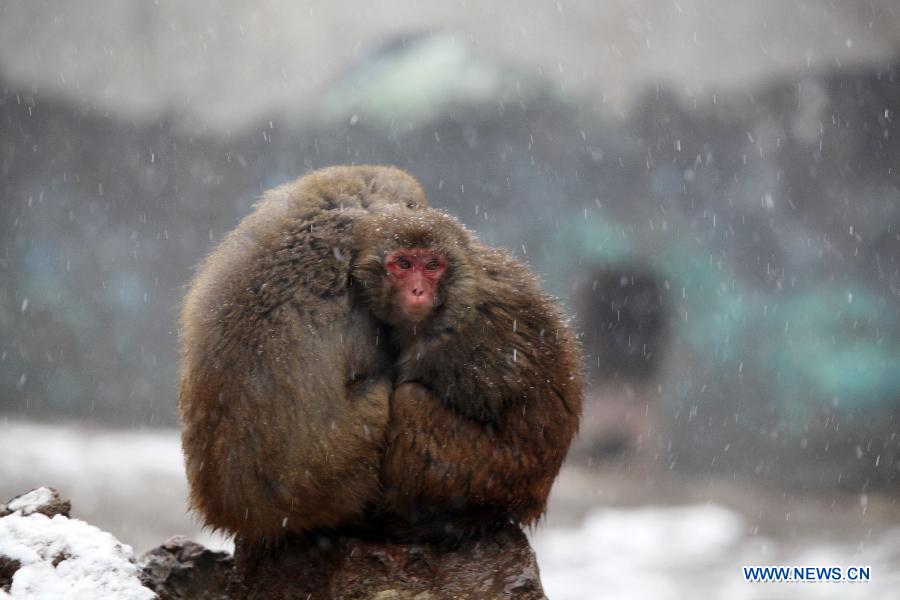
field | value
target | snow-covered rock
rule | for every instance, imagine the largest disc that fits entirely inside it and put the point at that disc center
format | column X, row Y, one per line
column 58, row 558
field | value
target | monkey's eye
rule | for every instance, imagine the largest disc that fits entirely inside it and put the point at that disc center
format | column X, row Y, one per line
column 432, row 265
column 403, row 263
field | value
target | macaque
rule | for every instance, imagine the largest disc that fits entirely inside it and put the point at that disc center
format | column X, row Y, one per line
column 353, row 359
column 487, row 377
column 285, row 381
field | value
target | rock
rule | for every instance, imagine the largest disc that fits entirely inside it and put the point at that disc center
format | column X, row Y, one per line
column 180, row 568
column 45, row 553
column 43, row 500
column 8, row 568
column 501, row 565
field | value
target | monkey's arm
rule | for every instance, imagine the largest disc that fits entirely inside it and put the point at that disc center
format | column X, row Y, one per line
column 441, row 463
column 277, row 435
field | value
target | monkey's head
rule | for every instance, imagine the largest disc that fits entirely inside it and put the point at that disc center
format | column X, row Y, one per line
column 414, row 275
column 412, row 268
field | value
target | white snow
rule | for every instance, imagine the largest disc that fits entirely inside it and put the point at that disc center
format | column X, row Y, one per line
column 631, row 553
column 697, row 551
column 30, row 502
column 90, row 563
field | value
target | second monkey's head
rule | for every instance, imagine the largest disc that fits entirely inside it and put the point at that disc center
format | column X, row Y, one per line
column 413, row 269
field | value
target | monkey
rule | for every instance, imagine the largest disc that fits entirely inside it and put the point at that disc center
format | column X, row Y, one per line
column 353, row 359
column 487, row 375
column 284, row 386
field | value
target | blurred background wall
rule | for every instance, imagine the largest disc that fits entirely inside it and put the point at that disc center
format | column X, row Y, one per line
column 711, row 188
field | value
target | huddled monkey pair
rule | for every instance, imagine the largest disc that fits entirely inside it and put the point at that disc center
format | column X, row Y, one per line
column 352, row 358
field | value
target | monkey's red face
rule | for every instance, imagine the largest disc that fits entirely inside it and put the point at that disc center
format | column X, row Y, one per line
column 414, row 274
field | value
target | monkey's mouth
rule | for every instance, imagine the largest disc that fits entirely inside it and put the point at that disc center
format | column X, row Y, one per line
column 418, row 312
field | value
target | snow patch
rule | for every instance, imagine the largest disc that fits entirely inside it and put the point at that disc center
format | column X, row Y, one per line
column 629, row 553
column 32, row 501
column 63, row 558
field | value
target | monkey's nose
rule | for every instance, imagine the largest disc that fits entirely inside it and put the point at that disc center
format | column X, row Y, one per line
column 417, row 292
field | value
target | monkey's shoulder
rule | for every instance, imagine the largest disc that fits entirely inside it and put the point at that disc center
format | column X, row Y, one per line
column 514, row 344
column 270, row 261
column 513, row 300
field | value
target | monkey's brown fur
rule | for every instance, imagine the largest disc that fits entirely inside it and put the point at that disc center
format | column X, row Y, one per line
column 292, row 348
column 489, row 389
column 284, row 390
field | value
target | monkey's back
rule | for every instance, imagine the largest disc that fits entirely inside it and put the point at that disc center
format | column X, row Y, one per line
column 282, row 410
column 542, row 374
column 516, row 377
